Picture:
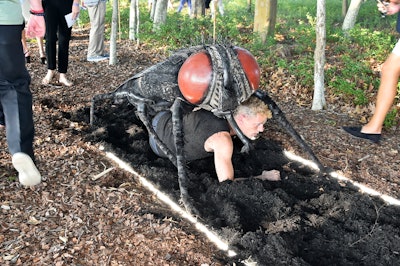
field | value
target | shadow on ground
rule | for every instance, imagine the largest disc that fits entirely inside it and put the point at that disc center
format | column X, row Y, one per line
column 304, row 219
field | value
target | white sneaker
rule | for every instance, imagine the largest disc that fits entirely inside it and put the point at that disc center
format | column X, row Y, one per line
column 28, row 173
column 97, row 58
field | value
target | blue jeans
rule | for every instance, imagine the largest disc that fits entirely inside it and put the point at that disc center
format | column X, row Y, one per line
column 15, row 95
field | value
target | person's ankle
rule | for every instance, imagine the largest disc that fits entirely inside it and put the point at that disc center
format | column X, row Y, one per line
column 370, row 130
column 49, row 76
column 50, row 73
column 64, row 80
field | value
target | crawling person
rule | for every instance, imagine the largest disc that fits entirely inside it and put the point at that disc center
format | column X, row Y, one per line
column 207, row 135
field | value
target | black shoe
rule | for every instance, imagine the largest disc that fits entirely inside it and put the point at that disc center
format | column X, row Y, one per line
column 356, row 132
column 27, row 57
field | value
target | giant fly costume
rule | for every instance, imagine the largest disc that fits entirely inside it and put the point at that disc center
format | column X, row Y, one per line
column 216, row 78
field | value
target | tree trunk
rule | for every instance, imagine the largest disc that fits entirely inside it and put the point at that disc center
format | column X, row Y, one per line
column 114, row 34
column 319, row 58
column 153, row 9
column 265, row 18
column 160, row 14
column 198, row 8
column 345, row 4
column 134, row 20
column 351, row 16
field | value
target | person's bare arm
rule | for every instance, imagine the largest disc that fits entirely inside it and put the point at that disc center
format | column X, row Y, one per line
column 221, row 144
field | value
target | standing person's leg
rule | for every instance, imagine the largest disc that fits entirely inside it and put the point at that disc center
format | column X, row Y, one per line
column 390, row 74
column 51, row 15
column 64, row 36
column 25, row 48
column 213, row 5
column 181, row 5
column 221, row 7
column 16, row 101
column 42, row 53
column 17, row 105
column 96, row 37
column 387, row 92
column 25, row 7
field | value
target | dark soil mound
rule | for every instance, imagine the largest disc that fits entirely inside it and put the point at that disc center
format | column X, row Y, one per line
column 304, row 219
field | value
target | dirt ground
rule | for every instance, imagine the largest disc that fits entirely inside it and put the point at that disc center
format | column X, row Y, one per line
column 307, row 218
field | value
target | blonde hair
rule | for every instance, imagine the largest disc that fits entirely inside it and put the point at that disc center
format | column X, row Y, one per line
column 253, row 106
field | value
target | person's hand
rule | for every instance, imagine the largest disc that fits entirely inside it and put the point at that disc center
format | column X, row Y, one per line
column 382, row 7
column 36, row 27
column 272, row 175
column 388, row 8
column 75, row 10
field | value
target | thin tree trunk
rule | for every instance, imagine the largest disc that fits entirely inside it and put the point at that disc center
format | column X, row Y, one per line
column 198, row 8
column 160, row 15
column 351, row 16
column 137, row 22
column 133, row 20
column 345, row 4
column 114, row 34
column 153, row 9
column 265, row 18
column 319, row 58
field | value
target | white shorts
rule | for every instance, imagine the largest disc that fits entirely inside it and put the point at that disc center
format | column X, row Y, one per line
column 396, row 49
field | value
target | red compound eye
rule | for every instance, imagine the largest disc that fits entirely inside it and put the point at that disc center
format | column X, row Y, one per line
column 250, row 67
column 195, row 76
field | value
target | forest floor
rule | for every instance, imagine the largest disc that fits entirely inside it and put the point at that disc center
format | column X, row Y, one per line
column 77, row 216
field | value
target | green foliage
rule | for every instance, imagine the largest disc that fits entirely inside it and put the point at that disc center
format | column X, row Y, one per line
column 352, row 60
column 390, row 119
column 12, row 178
column 345, row 79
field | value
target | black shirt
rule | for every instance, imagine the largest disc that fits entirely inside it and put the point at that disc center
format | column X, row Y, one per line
column 198, row 126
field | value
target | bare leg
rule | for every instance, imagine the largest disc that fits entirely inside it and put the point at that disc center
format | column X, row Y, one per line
column 25, row 47
column 386, row 94
column 41, row 47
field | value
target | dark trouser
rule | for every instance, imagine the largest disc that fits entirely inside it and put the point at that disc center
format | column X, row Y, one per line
column 2, row 119
column 57, row 30
column 152, row 141
column 15, row 96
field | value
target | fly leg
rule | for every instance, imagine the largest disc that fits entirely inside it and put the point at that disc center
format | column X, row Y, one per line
column 177, row 129
column 280, row 117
